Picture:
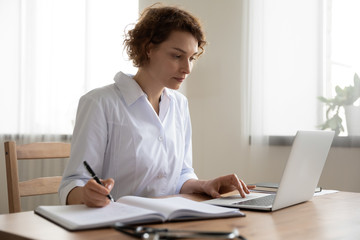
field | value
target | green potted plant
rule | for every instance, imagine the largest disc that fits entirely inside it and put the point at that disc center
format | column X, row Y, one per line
column 345, row 97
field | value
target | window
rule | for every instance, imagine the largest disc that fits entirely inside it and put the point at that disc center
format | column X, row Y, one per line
column 296, row 54
column 342, row 54
column 53, row 52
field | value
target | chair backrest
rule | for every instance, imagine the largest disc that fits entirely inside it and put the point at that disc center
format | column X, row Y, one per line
column 37, row 186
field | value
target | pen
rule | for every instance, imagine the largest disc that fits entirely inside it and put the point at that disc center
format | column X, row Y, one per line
column 87, row 166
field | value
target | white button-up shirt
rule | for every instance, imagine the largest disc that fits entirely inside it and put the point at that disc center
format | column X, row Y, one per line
column 120, row 135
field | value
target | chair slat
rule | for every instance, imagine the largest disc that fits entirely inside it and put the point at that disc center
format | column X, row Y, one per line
column 39, row 186
column 43, row 150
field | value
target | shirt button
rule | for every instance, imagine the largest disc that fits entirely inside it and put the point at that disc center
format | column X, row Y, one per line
column 160, row 138
column 161, row 175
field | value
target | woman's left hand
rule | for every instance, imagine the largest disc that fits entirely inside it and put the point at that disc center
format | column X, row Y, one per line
column 226, row 184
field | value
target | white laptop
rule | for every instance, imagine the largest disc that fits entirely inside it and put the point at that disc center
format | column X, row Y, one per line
column 300, row 177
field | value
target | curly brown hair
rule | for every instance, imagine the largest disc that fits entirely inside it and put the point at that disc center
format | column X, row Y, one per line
column 155, row 25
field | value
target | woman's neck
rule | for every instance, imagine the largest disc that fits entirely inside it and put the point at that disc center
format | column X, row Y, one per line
column 148, row 85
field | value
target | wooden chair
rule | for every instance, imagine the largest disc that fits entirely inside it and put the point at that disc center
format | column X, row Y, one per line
column 37, row 186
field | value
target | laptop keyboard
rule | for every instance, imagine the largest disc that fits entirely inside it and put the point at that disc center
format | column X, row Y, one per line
column 261, row 201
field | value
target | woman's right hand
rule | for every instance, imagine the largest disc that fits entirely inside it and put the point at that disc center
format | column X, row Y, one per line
column 92, row 194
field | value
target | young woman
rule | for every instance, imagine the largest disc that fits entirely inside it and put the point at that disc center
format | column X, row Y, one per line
column 136, row 133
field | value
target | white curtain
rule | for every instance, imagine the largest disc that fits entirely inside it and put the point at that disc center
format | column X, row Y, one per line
column 343, row 51
column 52, row 52
column 284, row 67
column 298, row 51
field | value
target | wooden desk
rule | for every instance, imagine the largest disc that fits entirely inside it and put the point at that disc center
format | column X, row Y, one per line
column 332, row 216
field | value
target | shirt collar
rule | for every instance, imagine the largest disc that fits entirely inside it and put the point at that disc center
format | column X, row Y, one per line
column 167, row 93
column 131, row 91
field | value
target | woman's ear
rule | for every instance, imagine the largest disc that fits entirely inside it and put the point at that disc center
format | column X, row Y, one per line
column 149, row 49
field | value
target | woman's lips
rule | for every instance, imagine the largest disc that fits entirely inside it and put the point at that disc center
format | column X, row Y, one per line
column 179, row 79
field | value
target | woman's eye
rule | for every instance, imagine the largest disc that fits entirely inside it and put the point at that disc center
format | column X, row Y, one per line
column 177, row 56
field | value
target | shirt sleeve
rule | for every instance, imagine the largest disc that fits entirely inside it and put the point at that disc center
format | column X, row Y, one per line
column 88, row 143
column 187, row 171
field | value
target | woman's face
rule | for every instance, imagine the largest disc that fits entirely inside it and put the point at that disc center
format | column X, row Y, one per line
column 171, row 61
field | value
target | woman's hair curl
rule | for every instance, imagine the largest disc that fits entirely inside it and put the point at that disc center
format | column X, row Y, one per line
column 155, row 25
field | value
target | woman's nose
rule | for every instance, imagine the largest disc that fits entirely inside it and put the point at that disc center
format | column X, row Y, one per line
column 186, row 67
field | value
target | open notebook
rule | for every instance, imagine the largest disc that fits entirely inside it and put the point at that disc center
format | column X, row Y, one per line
column 133, row 210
